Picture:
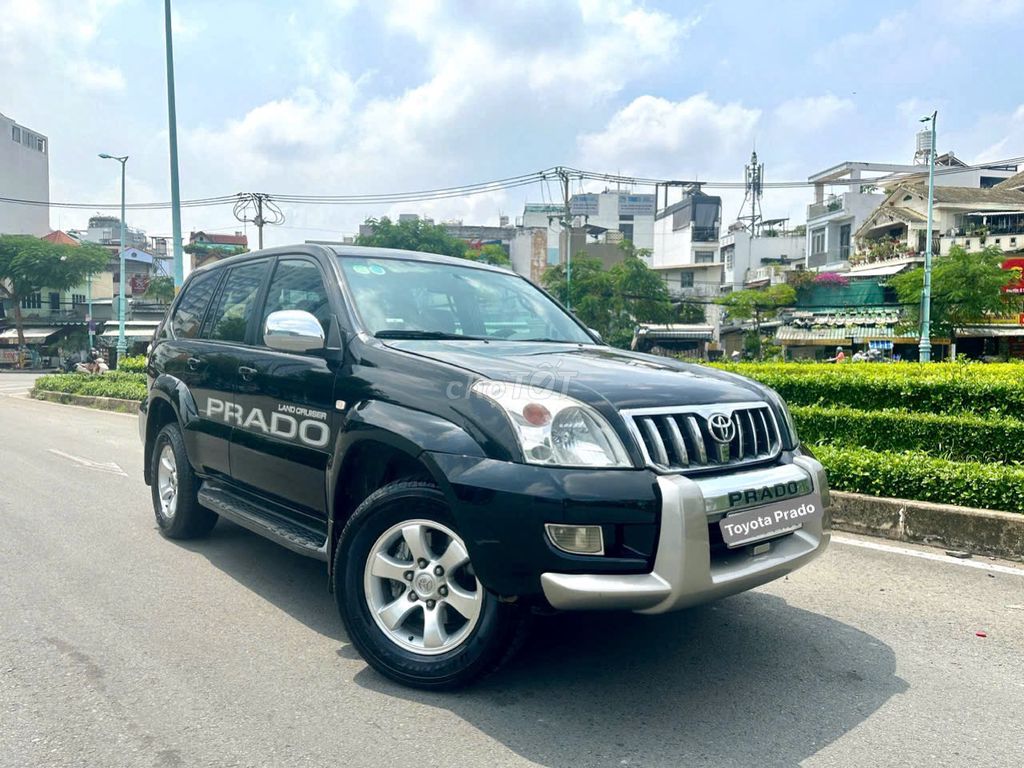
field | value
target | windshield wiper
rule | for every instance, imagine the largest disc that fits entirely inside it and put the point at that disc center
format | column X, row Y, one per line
column 430, row 335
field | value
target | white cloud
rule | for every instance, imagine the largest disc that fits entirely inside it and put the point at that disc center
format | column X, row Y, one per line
column 811, row 114
column 1006, row 133
column 186, row 27
column 652, row 135
column 94, row 76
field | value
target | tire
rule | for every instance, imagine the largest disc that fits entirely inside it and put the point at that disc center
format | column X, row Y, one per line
column 434, row 644
column 174, row 489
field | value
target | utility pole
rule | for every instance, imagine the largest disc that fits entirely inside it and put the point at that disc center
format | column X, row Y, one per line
column 925, row 345
column 566, row 223
column 172, row 132
column 257, row 208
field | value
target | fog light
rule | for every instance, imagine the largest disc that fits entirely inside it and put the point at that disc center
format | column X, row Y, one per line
column 577, row 539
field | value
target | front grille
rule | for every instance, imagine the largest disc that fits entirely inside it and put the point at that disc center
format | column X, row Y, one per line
column 677, row 440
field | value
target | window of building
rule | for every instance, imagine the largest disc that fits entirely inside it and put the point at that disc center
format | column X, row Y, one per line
column 236, row 303
column 1013, row 241
column 77, row 299
column 16, row 134
column 627, row 231
column 54, row 301
column 41, row 144
column 818, row 241
column 191, row 309
column 32, row 301
column 704, row 257
column 686, row 279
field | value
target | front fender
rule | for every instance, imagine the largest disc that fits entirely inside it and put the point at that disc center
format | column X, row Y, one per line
column 173, row 392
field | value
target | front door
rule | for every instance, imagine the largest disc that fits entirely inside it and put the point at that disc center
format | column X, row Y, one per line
column 844, row 242
column 282, row 448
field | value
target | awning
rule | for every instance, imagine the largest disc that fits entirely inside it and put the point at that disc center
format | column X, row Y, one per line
column 991, row 331
column 888, row 269
column 135, row 329
column 856, row 334
column 32, row 335
column 676, row 332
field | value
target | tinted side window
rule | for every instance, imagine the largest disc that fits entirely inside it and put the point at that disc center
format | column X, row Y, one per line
column 188, row 315
column 236, row 302
column 298, row 284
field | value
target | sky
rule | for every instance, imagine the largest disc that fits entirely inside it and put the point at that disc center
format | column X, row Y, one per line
column 329, row 97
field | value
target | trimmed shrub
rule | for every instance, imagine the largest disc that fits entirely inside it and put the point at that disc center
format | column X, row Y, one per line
column 136, row 364
column 126, row 386
column 966, row 437
column 916, row 475
column 932, row 388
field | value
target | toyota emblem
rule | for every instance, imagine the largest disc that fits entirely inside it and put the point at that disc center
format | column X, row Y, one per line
column 722, row 428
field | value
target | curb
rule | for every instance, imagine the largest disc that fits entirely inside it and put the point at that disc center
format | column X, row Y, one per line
column 89, row 401
column 978, row 531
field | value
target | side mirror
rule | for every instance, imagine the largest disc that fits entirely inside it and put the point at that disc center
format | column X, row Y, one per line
column 293, row 330
column 596, row 335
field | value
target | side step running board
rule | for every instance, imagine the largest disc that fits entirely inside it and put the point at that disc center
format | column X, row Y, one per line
column 257, row 519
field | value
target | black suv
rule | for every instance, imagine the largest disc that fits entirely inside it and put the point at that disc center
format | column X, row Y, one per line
column 460, row 450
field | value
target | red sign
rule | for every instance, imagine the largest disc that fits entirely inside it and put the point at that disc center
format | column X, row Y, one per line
column 1015, row 286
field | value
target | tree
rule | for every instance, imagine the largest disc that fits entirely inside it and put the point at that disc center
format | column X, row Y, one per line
column 413, row 235
column 489, row 254
column 160, row 289
column 966, row 288
column 28, row 265
column 758, row 305
column 613, row 301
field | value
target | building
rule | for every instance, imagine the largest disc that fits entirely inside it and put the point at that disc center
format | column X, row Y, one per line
column 106, row 231
column 616, row 211
column 969, row 217
column 24, row 175
column 686, row 248
column 753, row 261
column 207, row 247
column 832, row 220
column 535, row 240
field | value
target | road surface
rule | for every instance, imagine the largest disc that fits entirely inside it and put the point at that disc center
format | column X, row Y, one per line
column 119, row 648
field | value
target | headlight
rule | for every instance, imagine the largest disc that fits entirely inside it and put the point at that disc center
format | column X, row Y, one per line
column 554, row 429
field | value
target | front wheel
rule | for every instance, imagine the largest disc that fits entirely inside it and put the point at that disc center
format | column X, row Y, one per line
column 408, row 594
column 175, row 504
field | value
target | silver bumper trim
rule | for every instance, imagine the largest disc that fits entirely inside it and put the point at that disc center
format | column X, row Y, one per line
column 684, row 573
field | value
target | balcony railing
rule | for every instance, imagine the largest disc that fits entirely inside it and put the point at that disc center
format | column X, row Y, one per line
column 817, row 210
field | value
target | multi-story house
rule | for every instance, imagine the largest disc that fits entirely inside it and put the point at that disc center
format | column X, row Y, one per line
column 752, row 261
column 686, row 252
column 24, row 175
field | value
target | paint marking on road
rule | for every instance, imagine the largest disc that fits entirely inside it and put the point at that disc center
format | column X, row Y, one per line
column 979, row 564
column 99, row 466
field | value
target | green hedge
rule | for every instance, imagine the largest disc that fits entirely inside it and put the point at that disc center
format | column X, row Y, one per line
column 961, row 438
column 136, row 364
column 916, row 475
column 937, row 388
column 127, row 386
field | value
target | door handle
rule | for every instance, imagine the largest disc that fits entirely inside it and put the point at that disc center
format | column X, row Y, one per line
column 246, row 372
column 194, row 363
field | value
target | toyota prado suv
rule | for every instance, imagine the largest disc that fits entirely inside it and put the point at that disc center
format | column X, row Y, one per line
column 460, row 451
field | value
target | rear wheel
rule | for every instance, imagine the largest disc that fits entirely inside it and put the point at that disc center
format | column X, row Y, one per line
column 408, row 594
column 175, row 504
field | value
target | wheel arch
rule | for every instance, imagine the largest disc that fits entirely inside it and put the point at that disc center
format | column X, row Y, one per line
column 169, row 401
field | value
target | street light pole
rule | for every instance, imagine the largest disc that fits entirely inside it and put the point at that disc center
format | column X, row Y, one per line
column 925, row 345
column 122, row 345
column 172, row 132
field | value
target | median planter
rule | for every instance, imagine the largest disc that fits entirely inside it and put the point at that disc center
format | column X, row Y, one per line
column 115, row 404
column 978, row 531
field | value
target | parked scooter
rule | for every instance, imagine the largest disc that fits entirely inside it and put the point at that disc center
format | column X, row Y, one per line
column 94, row 364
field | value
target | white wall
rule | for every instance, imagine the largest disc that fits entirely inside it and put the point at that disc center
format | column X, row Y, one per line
column 671, row 249
column 754, row 252
column 24, row 174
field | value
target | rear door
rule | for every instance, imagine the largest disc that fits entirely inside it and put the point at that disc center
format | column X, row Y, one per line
column 282, row 448
column 198, row 364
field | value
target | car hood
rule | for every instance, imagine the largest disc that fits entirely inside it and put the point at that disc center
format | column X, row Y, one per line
column 597, row 375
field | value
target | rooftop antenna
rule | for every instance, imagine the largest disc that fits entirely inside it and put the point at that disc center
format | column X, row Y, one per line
column 753, row 179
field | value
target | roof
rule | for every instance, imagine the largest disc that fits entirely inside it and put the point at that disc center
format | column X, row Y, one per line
column 216, row 239
column 1014, row 182
column 971, row 195
column 60, row 237
column 860, row 334
column 676, row 332
column 31, row 334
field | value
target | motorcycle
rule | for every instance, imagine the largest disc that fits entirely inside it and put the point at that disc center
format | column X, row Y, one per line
column 93, row 365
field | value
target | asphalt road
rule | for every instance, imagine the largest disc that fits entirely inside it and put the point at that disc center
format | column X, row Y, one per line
column 119, row 648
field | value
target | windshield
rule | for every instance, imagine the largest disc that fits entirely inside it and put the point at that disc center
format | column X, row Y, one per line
column 414, row 299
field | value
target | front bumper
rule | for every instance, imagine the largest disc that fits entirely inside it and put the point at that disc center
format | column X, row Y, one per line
column 689, row 568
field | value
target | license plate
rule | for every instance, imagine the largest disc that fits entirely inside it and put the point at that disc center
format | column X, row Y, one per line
column 770, row 520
